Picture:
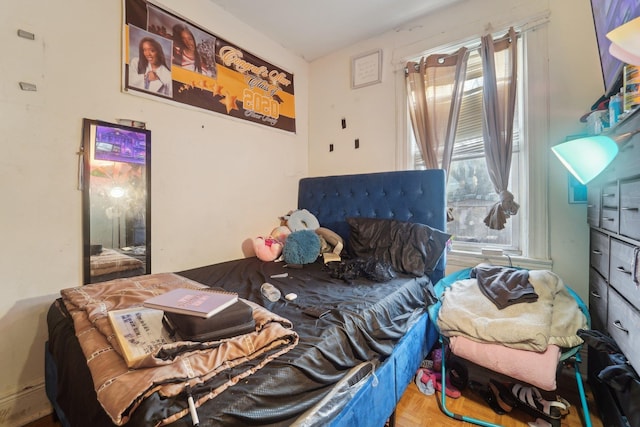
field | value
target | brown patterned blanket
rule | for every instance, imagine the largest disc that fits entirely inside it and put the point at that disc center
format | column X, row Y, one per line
column 168, row 371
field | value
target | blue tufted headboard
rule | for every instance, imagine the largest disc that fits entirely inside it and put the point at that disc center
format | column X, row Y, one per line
column 414, row 196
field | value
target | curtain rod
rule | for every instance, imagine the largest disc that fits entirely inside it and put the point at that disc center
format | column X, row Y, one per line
column 449, row 55
column 523, row 26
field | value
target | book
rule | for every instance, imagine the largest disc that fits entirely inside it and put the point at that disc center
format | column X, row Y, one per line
column 139, row 332
column 631, row 85
column 202, row 303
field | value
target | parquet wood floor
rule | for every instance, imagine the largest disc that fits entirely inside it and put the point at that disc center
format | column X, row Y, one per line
column 418, row 410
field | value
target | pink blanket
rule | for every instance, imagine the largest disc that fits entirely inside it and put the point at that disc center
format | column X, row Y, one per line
column 537, row 369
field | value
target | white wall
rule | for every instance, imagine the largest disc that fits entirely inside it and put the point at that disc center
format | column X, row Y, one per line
column 575, row 83
column 215, row 181
column 233, row 179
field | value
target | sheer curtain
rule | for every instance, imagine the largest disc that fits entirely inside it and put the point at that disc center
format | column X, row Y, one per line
column 434, row 89
column 499, row 99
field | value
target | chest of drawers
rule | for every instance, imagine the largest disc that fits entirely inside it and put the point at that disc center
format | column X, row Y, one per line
column 613, row 214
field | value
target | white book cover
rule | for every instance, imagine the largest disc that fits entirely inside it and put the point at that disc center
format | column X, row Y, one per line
column 139, row 332
column 202, row 303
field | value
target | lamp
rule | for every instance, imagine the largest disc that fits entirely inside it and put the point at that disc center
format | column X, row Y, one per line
column 625, row 42
column 623, row 55
column 586, row 157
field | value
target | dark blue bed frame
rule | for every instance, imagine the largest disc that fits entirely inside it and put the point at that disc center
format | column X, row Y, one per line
column 415, row 196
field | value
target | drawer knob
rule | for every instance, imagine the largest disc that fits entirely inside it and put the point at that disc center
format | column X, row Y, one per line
column 622, row 270
column 618, row 325
column 596, row 252
column 595, row 295
column 626, row 147
column 606, row 218
column 609, row 195
column 629, row 209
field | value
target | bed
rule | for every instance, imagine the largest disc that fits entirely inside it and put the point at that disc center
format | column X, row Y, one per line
column 347, row 368
column 112, row 264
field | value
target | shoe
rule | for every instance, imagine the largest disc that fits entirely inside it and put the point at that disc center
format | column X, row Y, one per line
column 434, row 360
column 426, row 384
column 530, row 399
column 457, row 372
column 487, row 395
column 450, row 390
column 505, row 399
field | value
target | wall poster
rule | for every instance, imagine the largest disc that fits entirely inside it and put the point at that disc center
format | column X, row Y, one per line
column 171, row 58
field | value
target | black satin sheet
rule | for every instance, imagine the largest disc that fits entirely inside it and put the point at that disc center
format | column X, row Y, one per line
column 365, row 322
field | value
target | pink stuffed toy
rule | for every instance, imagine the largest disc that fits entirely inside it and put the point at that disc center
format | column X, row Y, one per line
column 267, row 248
column 280, row 233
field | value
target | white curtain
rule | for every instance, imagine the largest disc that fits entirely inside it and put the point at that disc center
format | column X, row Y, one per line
column 434, row 89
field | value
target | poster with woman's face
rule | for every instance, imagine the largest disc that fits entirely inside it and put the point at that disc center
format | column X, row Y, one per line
column 193, row 49
column 201, row 69
column 150, row 62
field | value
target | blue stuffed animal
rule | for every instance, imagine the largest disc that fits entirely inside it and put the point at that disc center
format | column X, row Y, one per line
column 301, row 247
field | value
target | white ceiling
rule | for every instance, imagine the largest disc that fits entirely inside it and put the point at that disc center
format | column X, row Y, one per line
column 312, row 29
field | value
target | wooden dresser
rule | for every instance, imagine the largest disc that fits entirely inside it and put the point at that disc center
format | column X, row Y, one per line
column 613, row 214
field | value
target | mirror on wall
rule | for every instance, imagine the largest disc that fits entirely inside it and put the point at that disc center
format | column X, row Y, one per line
column 116, row 178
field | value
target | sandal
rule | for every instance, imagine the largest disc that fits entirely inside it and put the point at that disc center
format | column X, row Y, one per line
column 530, row 399
column 450, row 390
column 487, row 395
column 505, row 399
column 425, row 381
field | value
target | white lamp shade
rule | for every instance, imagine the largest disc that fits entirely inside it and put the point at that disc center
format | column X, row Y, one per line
column 623, row 55
column 586, row 157
column 627, row 37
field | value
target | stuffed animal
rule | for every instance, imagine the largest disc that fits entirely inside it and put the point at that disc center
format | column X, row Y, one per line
column 300, row 219
column 280, row 233
column 267, row 248
column 301, row 247
column 330, row 241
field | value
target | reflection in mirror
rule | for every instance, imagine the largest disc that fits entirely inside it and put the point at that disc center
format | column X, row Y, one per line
column 116, row 201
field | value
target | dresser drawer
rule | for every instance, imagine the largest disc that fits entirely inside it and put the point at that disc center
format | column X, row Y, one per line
column 630, row 209
column 599, row 253
column 621, row 271
column 597, row 300
column 593, row 206
column 623, row 325
column 626, row 162
column 609, row 216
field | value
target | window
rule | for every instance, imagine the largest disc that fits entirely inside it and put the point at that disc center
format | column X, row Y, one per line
column 470, row 192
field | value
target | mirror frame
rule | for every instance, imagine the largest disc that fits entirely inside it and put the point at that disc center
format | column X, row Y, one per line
column 86, row 152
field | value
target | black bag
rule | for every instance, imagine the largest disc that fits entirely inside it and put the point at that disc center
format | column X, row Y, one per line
column 237, row 319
